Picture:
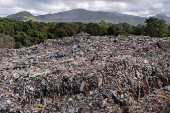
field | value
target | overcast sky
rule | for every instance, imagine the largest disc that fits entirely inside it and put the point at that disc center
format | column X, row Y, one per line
column 144, row 8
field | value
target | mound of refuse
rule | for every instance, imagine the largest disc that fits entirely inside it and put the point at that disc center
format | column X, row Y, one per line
column 84, row 73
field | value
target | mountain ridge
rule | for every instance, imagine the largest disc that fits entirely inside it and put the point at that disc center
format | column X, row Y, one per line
column 23, row 16
column 85, row 16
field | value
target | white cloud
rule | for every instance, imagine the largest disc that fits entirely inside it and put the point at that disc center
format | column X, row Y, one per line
column 16, row 9
column 82, row 5
column 107, row 6
column 7, row 2
column 146, row 13
column 158, row 5
column 119, row 6
column 39, row 7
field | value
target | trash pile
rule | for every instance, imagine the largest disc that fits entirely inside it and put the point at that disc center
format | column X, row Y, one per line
column 84, row 73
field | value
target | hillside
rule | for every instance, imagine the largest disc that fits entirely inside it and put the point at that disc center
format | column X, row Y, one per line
column 163, row 16
column 138, row 19
column 85, row 16
column 23, row 16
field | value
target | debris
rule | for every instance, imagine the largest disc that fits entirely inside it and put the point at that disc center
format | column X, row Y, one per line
column 87, row 73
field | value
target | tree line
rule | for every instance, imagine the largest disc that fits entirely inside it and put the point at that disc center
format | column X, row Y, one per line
column 30, row 32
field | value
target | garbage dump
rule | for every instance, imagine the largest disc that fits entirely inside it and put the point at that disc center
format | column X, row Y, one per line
column 87, row 74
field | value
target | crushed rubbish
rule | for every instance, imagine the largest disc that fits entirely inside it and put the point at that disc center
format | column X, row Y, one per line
column 84, row 73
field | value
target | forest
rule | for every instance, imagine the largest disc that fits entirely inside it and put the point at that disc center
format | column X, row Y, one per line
column 27, row 33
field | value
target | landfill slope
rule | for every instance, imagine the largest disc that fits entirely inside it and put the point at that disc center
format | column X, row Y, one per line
column 85, row 73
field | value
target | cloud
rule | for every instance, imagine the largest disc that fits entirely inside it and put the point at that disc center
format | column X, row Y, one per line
column 7, row 2
column 39, row 7
column 83, row 5
column 158, row 5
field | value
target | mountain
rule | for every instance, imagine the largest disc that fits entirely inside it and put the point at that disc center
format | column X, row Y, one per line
column 160, row 16
column 23, row 16
column 138, row 19
column 163, row 16
column 85, row 16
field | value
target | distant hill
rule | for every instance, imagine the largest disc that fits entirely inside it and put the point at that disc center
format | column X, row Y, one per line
column 163, row 16
column 138, row 19
column 160, row 16
column 23, row 16
column 85, row 16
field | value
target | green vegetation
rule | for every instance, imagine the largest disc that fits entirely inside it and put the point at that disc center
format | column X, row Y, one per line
column 156, row 27
column 23, row 16
column 20, row 33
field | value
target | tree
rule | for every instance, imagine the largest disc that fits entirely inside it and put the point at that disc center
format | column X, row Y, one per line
column 156, row 27
column 162, row 30
column 81, row 27
column 139, row 30
column 111, row 30
column 74, row 27
column 60, row 33
column 104, row 26
column 1, row 27
column 94, row 29
column 152, row 25
column 169, row 30
column 105, row 23
column 23, row 38
column 116, row 30
column 69, row 30
column 128, row 28
column 50, row 36
column 18, row 45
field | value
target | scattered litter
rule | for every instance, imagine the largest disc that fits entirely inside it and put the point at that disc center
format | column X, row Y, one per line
column 84, row 73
